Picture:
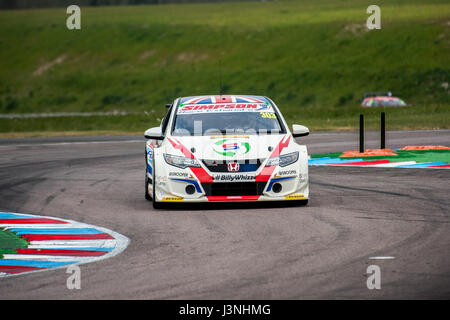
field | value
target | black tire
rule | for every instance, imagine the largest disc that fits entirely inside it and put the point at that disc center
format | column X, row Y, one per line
column 147, row 196
column 157, row 205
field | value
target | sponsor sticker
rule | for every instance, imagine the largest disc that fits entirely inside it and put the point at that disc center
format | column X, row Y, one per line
column 269, row 115
column 178, row 174
column 233, row 177
column 169, row 199
column 287, row 173
column 294, row 196
column 230, row 147
column 225, row 107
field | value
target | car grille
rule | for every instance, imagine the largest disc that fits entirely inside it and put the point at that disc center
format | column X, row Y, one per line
column 234, row 188
column 222, row 166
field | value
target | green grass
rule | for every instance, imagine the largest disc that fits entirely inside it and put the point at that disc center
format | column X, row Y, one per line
column 315, row 59
column 10, row 241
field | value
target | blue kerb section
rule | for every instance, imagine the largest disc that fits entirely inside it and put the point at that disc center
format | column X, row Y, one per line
column 331, row 161
column 195, row 183
column 34, row 263
column 276, row 180
column 20, row 231
column 323, row 161
column 423, row 165
column 8, row 215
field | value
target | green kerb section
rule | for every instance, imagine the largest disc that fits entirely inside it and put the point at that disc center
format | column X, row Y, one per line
column 326, row 155
column 420, row 156
column 9, row 241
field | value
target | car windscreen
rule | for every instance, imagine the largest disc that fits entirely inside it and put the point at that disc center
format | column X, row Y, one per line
column 213, row 121
column 392, row 102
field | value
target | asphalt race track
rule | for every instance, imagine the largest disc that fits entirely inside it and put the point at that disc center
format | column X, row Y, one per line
column 237, row 252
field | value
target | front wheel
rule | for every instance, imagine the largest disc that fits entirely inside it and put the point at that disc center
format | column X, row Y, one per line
column 148, row 197
column 157, row 205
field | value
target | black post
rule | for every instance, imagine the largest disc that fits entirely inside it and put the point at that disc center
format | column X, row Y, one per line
column 361, row 133
column 383, row 131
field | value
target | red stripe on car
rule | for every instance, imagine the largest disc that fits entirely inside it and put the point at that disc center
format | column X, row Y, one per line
column 266, row 172
column 199, row 172
column 232, row 198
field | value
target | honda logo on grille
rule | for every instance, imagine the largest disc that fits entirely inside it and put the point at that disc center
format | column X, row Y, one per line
column 234, row 166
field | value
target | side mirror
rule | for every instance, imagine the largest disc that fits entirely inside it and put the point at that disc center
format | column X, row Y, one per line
column 168, row 105
column 299, row 131
column 154, row 133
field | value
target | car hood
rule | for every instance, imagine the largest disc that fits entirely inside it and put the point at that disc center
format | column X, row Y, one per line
column 226, row 147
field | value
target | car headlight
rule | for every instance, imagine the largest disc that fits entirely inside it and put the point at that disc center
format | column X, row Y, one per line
column 283, row 160
column 180, row 162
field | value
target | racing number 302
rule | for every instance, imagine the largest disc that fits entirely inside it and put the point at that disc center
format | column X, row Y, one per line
column 268, row 115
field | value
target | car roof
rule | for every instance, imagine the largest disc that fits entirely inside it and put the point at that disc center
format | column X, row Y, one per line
column 214, row 99
column 382, row 97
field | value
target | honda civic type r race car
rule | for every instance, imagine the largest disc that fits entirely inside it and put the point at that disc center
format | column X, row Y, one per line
column 225, row 148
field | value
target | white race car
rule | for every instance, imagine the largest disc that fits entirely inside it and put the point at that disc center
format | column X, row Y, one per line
column 225, row 148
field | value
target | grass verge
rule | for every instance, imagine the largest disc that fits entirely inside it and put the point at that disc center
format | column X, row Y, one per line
column 315, row 59
column 9, row 241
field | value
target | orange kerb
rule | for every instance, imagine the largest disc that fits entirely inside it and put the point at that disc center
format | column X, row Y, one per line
column 368, row 153
column 425, row 148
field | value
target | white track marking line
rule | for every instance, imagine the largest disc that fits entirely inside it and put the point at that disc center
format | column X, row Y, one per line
column 68, row 143
column 382, row 258
column 54, row 244
column 68, row 225
column 38, row 257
